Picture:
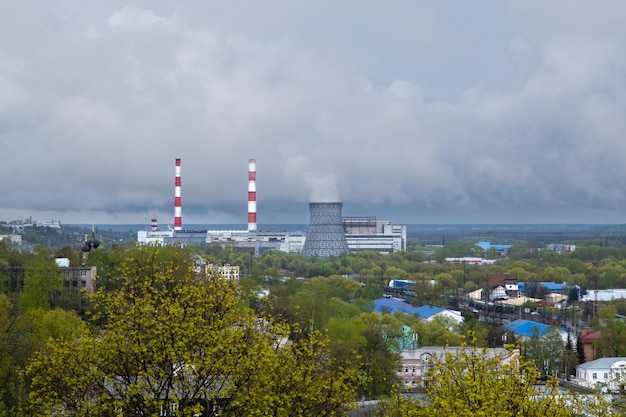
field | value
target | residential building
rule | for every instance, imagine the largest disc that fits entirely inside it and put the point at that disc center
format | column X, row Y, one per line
column 507, row 281
column 604, row 373
column 425, row 312
column 414, row 363
column 226, row 271
column 525, row 329
column 74, row 277
column 589, row 339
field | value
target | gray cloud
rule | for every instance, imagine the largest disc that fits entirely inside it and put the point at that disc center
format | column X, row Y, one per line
column 419, row 111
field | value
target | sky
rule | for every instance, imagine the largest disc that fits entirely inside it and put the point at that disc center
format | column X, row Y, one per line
column 416, row 111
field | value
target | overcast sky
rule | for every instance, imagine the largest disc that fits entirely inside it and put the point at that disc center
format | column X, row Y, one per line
column 415, row 111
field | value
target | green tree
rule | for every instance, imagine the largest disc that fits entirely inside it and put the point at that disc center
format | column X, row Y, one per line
column 544, row 350
column 69, row 253
column 42, row 281
column 171, row 340
column 580, row 350
column 7, row 360
column 613, row 329
column 569, row 360
column 473, row 383
column 378, row 357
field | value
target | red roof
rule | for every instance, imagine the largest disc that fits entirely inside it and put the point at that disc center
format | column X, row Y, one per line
column 589, row 338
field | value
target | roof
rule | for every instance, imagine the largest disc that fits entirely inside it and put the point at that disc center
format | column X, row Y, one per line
column 557, row 287
column 427, row 311
column 602, row 363
column 589, row 338
column 392, row 305
column 527, row 328
column 487, row 245
column 520, row 301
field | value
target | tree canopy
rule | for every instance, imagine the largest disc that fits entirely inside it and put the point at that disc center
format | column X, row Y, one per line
column 168, row 340
column 471, row 382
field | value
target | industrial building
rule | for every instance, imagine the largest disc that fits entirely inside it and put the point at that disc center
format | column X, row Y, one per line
column 329, row 233
column 367, row 233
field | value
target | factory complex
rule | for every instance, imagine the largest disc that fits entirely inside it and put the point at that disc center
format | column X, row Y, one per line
column 329, row 233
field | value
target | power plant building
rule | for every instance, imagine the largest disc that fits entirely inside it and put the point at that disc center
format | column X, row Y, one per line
column 326, row 236
column 367, row 233
column 329, row 233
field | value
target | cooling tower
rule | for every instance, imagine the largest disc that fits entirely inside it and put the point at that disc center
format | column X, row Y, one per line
column 325, row 236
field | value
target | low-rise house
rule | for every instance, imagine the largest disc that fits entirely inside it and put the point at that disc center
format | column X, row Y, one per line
column 608, row 374
column 425, row 312
column 507, row 281
column 525, row 329
column 414, row 363
column 589, row 340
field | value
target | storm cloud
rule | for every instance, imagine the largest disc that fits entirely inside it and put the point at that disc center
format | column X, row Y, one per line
column 416, row 111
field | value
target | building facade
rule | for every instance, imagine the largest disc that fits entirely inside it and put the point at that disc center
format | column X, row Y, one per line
column 367, row 233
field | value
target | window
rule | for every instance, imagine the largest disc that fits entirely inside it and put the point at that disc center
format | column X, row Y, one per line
column 594, row 375
column 606, row 375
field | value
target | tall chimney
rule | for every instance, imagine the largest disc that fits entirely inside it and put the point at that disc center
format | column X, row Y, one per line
column 178, row 219
column 251, row 195
column 326, row 236
column 154, row 225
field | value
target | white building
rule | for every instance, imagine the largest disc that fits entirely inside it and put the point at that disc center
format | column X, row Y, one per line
column 604, row 373
column 367, row 233
column 414, row 363
column 152, row 237
column 362, row 233
column 604, row 295
column 226, row 271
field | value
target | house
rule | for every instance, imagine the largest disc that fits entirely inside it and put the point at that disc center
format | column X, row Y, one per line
column 549, row 286
column 81, row 278
column 605, row 373
column 507, row 281
column 425, row 312
column 525, row 329
column 414, row 363
column 589, row 339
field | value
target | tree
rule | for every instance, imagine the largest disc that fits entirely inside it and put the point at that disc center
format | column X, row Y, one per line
column 544, row 350
column 473, row 383
column 169, row 341
column 613, row 329
column 569, row 360
column 580, row 350
column 42, row 281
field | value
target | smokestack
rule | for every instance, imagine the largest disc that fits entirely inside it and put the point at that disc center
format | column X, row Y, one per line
column 178, row 219
column 154, row 225
column 326, row 236
column 251, row 195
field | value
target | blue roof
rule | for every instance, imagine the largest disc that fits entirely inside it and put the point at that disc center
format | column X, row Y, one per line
column 393, row 305
column 427, row 311
column 550, row 286
column 527, row 328
column 487, row 245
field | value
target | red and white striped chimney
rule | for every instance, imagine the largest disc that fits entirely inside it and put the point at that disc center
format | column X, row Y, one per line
column 154, row 225
column 178, row 219
column 251, row 195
